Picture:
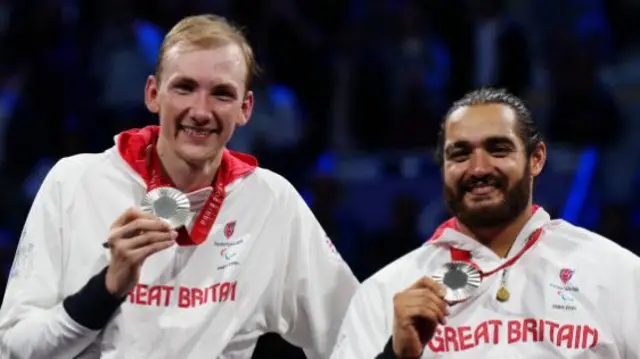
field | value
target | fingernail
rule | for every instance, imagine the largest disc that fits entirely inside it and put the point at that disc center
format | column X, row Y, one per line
column 174, row 235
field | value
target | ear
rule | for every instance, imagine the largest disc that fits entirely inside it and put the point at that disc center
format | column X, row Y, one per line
column 247, row 109
column 151, row 94
column 538, row 159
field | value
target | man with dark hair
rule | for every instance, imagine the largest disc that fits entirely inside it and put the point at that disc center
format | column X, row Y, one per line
column 526, row 128
column 500, row 278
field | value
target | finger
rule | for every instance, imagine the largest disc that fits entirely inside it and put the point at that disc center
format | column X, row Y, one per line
column 418, row 284
column 426, row 282
column 139, row 225
column 142, row 253
column 435, row 287
column 128, row 216
column 427, row 312
column 419, row 297
column 438, row 301
column 148, row 238
column 432, row 311
column 439, row 311
column 422, row 295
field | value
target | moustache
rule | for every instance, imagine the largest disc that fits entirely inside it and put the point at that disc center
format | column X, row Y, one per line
column 490, row 180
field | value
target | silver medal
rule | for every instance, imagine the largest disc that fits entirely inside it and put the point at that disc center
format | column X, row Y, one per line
column 168, row 204
column 460, row 279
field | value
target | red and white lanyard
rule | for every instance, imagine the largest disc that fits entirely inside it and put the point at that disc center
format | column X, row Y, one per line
column 465, row 256
column 209, row 212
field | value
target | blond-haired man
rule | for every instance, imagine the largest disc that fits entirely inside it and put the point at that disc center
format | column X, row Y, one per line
column 102, row 272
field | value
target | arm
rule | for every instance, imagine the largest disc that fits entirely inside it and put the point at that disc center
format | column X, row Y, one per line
column 317, row 285
column 35, row 321
column 366, row 330
column 629, row 311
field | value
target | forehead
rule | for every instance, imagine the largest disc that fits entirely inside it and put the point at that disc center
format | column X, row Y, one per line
column 477, row 123
column 220, row 64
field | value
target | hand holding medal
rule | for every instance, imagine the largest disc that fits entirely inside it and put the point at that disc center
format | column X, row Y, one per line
column 418, row 310
column 134, row 237
column 138, row 234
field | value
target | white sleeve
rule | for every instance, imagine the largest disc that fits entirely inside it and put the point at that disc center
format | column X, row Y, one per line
column 33, row 322
column 629, row 311
column 366, row 327
column 317, row 285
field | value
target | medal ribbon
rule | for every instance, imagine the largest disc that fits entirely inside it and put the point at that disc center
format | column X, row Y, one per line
column 465, row 256
column 208, row 213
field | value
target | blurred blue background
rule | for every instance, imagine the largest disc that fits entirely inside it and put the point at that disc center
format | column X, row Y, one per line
column 348, row 105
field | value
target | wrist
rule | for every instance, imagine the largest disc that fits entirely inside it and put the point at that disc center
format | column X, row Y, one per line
column 388, row 351
column 112, row 287
column 397, row 352
column 93, row 306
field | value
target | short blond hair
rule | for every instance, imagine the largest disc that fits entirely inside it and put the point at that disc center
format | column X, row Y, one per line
column 206, row 31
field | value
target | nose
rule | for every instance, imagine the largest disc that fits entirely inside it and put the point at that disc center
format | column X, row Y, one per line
column 200, row 110
column 479, row 164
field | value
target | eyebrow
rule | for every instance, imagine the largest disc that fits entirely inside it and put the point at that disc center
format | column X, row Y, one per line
column 183, row 79
column 487, row 142
column 192, row 81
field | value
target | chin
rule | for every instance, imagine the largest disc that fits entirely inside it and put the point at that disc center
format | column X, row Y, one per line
column 482, row 203
column 197, row 154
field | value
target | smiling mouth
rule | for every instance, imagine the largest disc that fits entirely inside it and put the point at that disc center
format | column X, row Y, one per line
column 198, row 132
column 482, row 189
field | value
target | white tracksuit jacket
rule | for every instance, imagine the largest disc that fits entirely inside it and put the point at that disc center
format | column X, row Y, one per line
column 266, row 266
column 574, row 294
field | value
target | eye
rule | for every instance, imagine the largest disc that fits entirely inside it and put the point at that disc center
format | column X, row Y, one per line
column 224, row 94
column 184, row 88
column 459, row 155
column 501, row 151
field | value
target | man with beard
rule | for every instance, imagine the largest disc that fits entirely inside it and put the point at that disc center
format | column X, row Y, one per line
column 500, row 278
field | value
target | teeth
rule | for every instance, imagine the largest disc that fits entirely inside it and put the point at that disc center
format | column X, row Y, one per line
column 196, row 132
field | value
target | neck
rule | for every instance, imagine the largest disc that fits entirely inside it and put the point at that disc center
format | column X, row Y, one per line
column 187, row 176
column 500, row 239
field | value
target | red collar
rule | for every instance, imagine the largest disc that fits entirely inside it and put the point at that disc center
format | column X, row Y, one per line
column 452, row 224
column 133, row 146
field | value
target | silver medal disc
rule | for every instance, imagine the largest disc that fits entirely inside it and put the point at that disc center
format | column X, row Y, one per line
column 460, row 280
column 168, row 204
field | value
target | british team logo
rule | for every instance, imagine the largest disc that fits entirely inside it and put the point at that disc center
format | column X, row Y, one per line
column 566, row 274
column 229, row 228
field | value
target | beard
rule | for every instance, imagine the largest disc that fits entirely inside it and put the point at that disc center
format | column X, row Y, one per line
column 515, row 200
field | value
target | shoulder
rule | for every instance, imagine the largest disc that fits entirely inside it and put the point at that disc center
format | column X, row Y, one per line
column 591, row 247
column 85, row 170
column 273, row 185
column 68, row 171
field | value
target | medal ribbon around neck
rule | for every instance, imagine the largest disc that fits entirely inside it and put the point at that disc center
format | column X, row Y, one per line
column 462, row 277
column 209, row 212
column 459, row 255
